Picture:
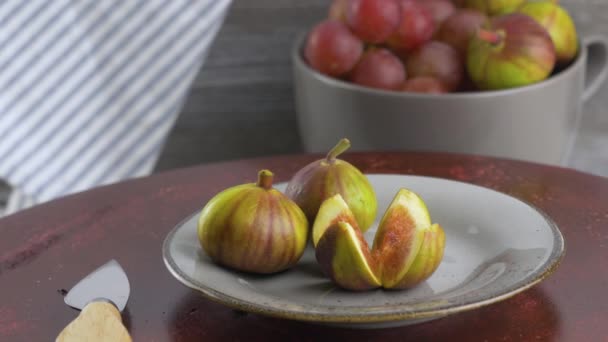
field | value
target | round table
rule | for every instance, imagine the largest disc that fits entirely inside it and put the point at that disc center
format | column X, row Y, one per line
column 47, row 249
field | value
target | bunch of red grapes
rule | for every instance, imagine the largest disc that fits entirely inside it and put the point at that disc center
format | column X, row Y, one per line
column 400, row 45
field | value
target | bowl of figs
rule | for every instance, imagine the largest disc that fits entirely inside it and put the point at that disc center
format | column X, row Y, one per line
column 504, row 78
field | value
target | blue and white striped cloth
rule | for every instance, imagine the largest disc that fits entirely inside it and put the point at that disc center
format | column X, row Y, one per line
column 89, row 89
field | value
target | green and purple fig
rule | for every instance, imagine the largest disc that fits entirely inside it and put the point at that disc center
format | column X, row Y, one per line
column 407, row 249
column 556, row 20
column 329, row 176
column 253, row 228
column 494, row 7
column 510, row 51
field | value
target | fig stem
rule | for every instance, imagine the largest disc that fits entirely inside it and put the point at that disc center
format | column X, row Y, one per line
column 265, row 179
column 341, row 146
column 489, row 36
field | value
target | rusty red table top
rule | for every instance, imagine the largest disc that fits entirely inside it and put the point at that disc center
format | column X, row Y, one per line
column 48, row 248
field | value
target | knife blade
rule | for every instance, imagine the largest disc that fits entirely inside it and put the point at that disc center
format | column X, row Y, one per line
column 101, row 296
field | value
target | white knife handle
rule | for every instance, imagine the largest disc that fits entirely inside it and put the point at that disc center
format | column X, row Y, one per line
column 98, row 321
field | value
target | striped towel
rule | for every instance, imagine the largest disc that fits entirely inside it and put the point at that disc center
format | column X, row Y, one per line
column 89, row 89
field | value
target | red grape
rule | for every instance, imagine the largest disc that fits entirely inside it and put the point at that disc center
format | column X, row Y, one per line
column 427, row 85
column 440, row 9
column 373, row 20
column 439, row 60
column 458, row 29
column 415, row 29
column 337, row 10
column 332, row 49
column 379, row 68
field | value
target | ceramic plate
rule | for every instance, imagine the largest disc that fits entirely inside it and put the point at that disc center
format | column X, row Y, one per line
column 496, row 246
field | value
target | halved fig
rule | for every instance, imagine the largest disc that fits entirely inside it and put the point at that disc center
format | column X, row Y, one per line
column 344, row 257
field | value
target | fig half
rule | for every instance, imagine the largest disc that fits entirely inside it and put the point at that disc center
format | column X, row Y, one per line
column 332, row 211
column 399, row 237
column 344, row 257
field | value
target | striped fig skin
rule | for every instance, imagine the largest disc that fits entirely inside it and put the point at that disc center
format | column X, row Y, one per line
column 524, row 55
column 323, row 179
column 250, row 228
column 427, row 260
column 556, row 20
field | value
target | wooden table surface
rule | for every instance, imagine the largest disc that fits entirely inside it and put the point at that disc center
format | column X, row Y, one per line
column 47, row 249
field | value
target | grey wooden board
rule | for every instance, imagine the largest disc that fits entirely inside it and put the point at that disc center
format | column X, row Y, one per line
column 241, row 104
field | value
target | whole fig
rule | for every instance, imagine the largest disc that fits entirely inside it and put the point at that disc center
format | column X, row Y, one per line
column 329, row 176
column 556, row 20
column 511, row 51
column 253, row 228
